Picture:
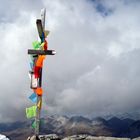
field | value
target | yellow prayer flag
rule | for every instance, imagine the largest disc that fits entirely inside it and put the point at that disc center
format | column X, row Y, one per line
column 39, row 105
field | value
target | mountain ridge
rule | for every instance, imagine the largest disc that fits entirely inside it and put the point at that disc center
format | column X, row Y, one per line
column 65, row 126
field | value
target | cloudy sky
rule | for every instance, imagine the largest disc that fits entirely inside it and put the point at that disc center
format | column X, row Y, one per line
column 96, row 70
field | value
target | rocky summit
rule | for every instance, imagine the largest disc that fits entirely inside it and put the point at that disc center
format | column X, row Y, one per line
column 79, row 137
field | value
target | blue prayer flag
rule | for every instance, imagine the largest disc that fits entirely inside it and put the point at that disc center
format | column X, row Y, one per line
column 33, row 98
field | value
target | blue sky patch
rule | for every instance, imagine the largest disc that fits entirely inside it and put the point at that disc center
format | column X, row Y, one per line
column 102, row 9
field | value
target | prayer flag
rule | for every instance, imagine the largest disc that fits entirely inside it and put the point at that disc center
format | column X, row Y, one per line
column 34, row 124
column 33, row 98
column 36, row 45
column 34, row 81
column 39, row 105
column 31, row 112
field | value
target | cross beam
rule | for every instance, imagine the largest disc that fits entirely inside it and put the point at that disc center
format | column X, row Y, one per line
column 42, row 52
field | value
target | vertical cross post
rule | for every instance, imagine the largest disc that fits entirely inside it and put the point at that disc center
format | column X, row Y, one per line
column 36, row 53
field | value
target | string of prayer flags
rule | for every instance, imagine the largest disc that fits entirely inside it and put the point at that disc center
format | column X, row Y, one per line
column 31, row 112
column 33, row 98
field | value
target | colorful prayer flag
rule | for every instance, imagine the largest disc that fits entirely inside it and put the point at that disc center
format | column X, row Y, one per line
column 36, row 45
column 33, row 98
column 34, row 124
column 39, row 105
column 31, row 112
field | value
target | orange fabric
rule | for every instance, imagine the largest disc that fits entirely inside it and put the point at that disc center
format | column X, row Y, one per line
column 39, row 91
column 39, row 61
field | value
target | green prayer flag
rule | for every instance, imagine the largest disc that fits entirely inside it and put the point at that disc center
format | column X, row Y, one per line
column 36, row 45
column 31, row 112
column 34, row 124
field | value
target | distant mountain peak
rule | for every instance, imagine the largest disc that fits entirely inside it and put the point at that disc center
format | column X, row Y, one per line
column 79, row 119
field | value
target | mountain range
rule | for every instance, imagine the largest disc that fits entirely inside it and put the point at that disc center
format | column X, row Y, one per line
column 66, row 126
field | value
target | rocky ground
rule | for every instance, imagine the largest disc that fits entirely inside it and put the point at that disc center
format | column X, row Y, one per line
column 80, row 137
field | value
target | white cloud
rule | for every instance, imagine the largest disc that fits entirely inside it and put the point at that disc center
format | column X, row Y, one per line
column 95, row 70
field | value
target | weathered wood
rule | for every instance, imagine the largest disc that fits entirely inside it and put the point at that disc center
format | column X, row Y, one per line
column 41, row 52
column 40, row 29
